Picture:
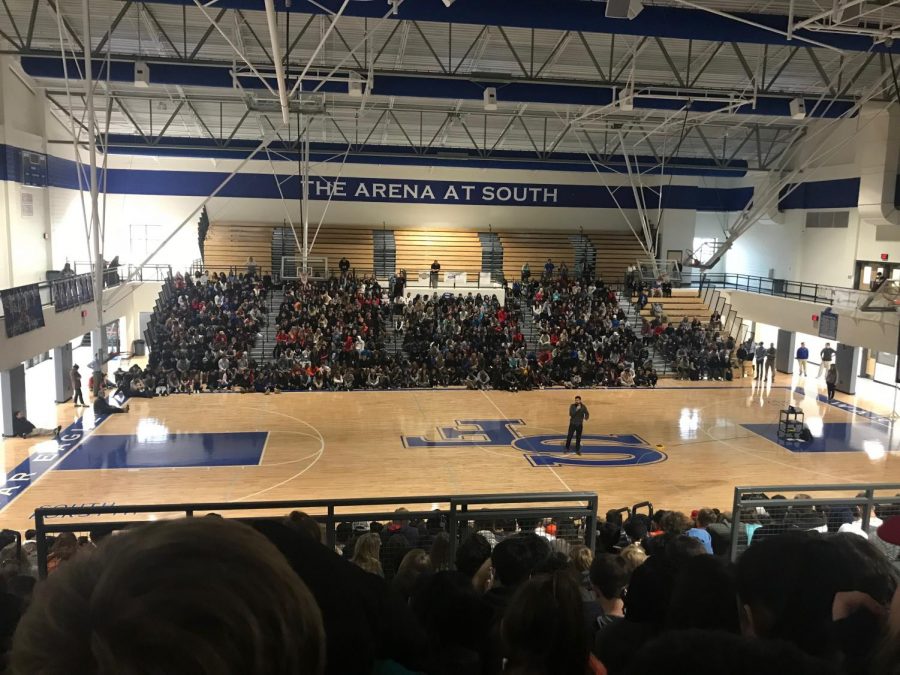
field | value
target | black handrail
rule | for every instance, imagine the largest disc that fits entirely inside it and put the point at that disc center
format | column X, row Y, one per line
column 785, row 288
column 457, row 512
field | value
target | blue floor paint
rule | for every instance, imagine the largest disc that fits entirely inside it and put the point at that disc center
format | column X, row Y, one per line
column 42, row 458
column 167, row 451
column 835, row 437
column 848, row 407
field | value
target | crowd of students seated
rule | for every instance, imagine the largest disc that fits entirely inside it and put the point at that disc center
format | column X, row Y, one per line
column 584, row 338
column 812, row 592
column 695, row 351
column 331, row 335
column 201, row 339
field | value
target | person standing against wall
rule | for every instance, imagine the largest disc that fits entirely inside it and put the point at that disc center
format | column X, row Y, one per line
column 831, row 380
column 77, row 395
column 827, row 356
column 802, row 357
column 433, row 277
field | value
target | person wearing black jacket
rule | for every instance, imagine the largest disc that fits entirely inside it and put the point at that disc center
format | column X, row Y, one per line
column 578, row 413
column 358, row 608
column 103, row 407
column 25, row 429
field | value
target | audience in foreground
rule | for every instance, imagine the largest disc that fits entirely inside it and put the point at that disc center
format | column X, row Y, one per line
column 208, row 595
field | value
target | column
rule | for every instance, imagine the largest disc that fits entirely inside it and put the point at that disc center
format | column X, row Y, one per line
column 62, row 364
column 784, row 359
column 98, row 349
column 12, row 395
column 847, row 359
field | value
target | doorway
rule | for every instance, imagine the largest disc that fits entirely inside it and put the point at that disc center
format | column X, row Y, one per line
column 867, row 271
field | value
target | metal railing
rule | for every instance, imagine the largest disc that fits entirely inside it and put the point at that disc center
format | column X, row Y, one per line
column 455, row 509
column 122, row 273
column 783, row 288
column 752, row 506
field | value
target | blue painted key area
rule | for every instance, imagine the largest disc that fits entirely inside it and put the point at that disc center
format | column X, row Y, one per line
column 835, row 437
column 167, row 451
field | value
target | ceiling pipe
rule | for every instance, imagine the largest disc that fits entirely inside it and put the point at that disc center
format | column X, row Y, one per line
column 276, row 57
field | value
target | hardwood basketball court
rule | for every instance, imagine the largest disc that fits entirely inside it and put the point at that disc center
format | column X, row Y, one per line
column 683, row 445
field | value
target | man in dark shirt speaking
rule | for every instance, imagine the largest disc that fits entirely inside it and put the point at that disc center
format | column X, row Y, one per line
column 578, row 413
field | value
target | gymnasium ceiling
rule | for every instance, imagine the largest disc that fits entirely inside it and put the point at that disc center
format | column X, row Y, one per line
column 712, row 79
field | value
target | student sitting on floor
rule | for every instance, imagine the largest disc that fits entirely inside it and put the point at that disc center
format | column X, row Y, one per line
column 25, row 429
column 103, row 407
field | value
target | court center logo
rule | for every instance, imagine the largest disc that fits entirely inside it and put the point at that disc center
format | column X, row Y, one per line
column 543, row 449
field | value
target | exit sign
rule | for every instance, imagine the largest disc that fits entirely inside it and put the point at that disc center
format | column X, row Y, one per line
column 884, row 257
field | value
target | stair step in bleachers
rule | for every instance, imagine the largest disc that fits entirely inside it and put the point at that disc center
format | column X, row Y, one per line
column 455, row 251
column 230, row 244
column 615, row 251
column 331, row 242
column 284, row 246
column 491, row 254
column 384, row 253
column 534, row 248
column 679, row 306
column 585, row 254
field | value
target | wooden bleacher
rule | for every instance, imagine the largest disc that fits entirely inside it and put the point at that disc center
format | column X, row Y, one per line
column 229, row 244
column 335, row 242
column 683, row 303
column 534, row 248
column 615, row 252
column 455, row 251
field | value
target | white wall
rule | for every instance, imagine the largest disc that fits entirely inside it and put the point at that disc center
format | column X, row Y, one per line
column 24, row 244
column 63, row 327
column 878, row 333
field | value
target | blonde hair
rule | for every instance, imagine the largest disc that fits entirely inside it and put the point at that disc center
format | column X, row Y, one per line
column 582, row 557
column 634, row 556
column 366, row 554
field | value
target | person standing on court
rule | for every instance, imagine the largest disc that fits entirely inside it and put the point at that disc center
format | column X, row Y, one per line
column 827, row 356
column 433, row 277
column 831, row 380
column 578, row 413
column 802, row 357
column 77, row 395
column 760, row 360
column 771, row 353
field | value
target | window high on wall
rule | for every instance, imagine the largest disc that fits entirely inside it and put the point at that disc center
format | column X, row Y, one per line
column 143, row 240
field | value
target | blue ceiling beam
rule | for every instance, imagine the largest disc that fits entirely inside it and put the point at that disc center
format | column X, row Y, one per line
column 427, row 86
column 407, row 156
column 578, row 15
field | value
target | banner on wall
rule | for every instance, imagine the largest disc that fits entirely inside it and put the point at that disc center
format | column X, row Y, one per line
column 69, row 292
column 22, row 310
column 828, row 324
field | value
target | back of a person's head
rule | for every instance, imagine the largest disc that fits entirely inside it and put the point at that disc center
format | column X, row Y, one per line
column 518, row 557
column 710, row 652
column 679, row 549
column 703, row 596
column 636, row 527
column 609, row 575
column 471, row 554
column 581, row 557
column 786, row 585
column 634, row 556
column 674, row 522
column 200, row 596
column 543, row 629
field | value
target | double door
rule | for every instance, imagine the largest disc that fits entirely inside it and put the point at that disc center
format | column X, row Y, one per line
column 867, row 271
